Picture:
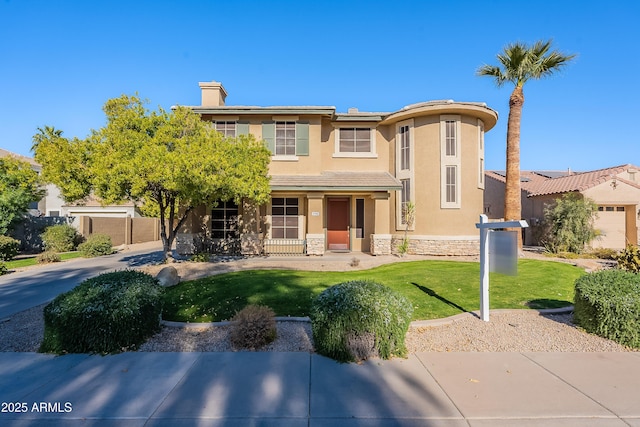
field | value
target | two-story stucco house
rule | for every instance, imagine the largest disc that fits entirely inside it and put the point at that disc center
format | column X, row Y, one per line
column 339, row 180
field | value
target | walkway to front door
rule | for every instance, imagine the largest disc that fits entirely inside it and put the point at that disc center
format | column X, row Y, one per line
column 338, row 224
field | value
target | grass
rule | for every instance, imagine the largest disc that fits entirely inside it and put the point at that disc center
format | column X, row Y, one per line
column 32, row 260
column 436, row 289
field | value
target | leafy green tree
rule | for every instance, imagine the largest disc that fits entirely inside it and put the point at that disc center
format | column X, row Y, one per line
column 519, row 63
column 569, row 223
column 174, row 160
column 19, row 186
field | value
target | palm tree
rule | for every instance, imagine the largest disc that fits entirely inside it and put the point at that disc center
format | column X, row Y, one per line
column 518, row 64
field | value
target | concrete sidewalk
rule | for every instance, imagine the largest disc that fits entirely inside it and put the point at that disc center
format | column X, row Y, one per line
column 302, row 389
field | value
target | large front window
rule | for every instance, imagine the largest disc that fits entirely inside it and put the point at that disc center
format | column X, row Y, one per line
column 285, row 138
column 224, row 221
column 284, row 218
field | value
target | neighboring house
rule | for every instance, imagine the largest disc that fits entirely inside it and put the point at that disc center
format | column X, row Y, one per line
column 52, row 204
column 339, row 181
column 615, row 190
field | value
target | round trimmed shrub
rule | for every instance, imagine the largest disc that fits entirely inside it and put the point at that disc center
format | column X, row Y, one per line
column 60, row 238
column 96, row 245
column 110, row 313
column 607, row 303
column 356, row 320
column 8, row 248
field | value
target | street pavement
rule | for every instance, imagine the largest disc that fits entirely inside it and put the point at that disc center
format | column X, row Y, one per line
column 303, row 389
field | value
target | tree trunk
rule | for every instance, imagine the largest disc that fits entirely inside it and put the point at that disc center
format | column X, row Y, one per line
column 512, row 196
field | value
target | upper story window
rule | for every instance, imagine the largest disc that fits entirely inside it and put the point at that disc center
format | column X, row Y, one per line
column 451, row 138
column 451, row 162
column 228, row 129
column 285, row 139
column 355, row 142
column 405, row 147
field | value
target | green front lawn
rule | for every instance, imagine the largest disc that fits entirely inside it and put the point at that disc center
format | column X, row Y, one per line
column 437, row 289
column 32, row 260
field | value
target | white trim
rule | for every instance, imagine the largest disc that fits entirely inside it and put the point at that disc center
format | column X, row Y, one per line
column 371, row 154
column 405, row 173
column 481, row 164
column 446, row 161
column 284, row 158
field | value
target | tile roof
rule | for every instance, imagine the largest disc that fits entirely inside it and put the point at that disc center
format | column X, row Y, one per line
column 337, row 181
column 7, row 153
column 538, row 183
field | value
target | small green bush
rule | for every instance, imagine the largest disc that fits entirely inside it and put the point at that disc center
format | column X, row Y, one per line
column 253, row 327
column 8, row 248
column 96, row 245
column 607, row 303
column 355, row 320
column 604, row 253
column 3, row 268
column 60, row 238
column 200, row 257
column 629, row 259
column 47, row 257
column 109, row 313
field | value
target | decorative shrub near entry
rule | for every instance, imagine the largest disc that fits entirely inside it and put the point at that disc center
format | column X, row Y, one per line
column 109, row 313
column 356, row 320
column 607, row 303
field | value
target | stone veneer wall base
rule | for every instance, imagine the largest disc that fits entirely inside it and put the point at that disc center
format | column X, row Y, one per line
column 449, row 246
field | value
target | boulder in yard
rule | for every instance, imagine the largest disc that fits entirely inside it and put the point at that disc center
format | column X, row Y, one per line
column 168, row 277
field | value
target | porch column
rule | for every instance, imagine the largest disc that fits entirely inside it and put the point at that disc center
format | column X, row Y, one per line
column 381, row 237
column 315, row 224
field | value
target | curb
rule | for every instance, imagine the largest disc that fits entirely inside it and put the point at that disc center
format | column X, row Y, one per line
column 415, row 324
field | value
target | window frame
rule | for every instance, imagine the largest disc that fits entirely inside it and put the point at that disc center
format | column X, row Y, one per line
column 287, row 202
column 225, row 130
column 357, row 154
column 450, row 157
column 286, row 124
column 228, row 230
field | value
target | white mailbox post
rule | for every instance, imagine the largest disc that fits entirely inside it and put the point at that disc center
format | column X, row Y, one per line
column 485, row 227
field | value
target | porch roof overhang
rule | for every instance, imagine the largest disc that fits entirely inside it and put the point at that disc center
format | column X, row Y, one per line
column 337, row 181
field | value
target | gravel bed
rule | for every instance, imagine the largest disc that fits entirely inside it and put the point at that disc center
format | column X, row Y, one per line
column 507, row 331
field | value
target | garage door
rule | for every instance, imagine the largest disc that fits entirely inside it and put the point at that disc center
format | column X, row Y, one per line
column 611, row 223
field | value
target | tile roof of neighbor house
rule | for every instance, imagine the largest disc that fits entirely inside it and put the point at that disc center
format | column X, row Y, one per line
column 337, row 180
column 539, row 183
column 7, row 153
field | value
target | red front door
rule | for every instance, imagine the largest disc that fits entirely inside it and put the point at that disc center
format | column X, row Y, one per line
column 338, row 224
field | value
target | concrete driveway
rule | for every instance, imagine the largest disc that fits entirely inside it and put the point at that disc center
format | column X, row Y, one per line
column 30, row 287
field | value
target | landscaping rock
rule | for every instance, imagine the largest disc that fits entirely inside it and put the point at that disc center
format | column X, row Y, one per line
column 168, row 277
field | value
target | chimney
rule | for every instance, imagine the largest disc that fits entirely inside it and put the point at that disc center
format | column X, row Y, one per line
column 213, row 94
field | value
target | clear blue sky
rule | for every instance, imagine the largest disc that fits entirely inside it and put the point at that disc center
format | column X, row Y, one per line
column 61, row 60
